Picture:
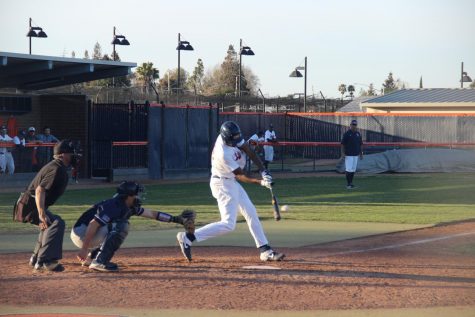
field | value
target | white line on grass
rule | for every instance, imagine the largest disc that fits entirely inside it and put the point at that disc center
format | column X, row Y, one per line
column 395, row 246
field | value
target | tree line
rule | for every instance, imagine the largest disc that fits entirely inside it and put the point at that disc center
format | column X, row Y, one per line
column 221, row 79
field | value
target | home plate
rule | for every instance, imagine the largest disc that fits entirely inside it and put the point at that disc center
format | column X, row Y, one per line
column 261, row 267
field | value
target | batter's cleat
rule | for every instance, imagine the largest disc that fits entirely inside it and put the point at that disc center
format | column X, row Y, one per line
column 108, row 267
column 350, row 186
column 271, row 255
column 185, row 245
column 33, row 260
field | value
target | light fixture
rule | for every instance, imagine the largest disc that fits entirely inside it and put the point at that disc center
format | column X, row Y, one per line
column 182, row 46
column 243, row 50
column 35, row 31
column 296, row 74
column 464, row 78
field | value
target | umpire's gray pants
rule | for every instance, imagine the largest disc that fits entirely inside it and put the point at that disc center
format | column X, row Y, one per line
column 49, row 246
column 79, row 233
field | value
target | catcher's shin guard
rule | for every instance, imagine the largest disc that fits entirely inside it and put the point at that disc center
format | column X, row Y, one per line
column 112, row 242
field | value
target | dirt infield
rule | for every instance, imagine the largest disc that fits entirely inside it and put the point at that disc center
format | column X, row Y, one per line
column 430, row 267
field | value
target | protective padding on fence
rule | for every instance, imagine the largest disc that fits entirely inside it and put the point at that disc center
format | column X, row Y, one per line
column 329, row 127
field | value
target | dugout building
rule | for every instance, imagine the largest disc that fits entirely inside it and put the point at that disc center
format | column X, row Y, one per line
column 24, row 103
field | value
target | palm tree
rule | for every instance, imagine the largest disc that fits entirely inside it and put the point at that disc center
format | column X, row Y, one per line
column 342, row 90
column 146, row 74
column 351, row 90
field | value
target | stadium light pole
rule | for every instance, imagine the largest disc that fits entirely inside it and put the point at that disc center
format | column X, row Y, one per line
column 117, row 40
column 464, row 78
column 298, row 74
column 243, row 50
column 182, row 46
column 35, row 31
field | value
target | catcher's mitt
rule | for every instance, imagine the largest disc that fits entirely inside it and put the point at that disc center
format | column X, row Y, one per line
column 187, row 219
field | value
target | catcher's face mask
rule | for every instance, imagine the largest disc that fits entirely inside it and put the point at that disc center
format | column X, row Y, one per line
column 140, row 196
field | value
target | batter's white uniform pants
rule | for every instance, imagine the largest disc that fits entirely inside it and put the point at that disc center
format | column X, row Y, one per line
column 350, row 163
column 232, row 198
column 268, row 153
column 6, row 162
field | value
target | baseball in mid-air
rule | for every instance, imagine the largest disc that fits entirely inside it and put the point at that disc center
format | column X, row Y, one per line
column 284, row 208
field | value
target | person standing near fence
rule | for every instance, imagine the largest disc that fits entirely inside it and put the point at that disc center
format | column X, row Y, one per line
column 31, row 137
column 269, row 149
column 6, row 158
column 351, row 148
column 255, row 147
column 44, row 152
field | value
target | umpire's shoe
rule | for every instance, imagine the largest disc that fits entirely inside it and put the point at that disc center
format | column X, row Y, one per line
column 185, row 245
column 53, row 266
column 271, row 255
column 108, row 267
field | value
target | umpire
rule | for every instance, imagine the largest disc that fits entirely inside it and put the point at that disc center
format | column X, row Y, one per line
column 351, row 148
column 47, row 186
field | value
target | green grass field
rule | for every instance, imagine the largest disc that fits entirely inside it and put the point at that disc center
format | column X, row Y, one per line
column 403, row 199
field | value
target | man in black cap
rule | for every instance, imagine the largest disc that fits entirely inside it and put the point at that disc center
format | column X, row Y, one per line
column 47, row 186
column 351, row 148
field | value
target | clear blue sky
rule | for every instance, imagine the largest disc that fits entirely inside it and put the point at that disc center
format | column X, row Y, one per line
column 346, row 41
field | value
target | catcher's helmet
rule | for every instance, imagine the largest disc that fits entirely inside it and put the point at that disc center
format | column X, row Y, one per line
column 231, row 133
column 129, row 188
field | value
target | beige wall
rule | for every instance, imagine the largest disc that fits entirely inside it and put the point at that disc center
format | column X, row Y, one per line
column 458, row 107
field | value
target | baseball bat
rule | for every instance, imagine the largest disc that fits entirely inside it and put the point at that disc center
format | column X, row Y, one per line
column 275, row 204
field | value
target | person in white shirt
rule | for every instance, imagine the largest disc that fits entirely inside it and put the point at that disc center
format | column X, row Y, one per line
column 6, row 158
column 255, row 147
column 227, row 163
column 269, row 149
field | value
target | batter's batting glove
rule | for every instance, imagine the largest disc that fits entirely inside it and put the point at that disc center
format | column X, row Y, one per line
column 266, row 176
column 187, row 219
column 266, row 184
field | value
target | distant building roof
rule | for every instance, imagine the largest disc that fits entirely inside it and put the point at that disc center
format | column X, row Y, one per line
column 354, row 105
column 32, row 72
column 429, row 95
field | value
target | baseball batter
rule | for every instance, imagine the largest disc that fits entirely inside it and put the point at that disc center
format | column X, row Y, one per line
column 227, row 163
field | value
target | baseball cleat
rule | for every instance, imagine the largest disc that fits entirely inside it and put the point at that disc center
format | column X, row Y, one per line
column 185, row 245
column 108, row 267
column 90, row 256
column 33, row 260
column 271, row 255
column 53, row 266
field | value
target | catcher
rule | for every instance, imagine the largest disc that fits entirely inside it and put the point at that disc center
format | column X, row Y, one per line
column 101, row 230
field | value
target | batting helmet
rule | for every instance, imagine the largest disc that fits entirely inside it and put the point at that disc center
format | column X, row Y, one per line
column 231, row 133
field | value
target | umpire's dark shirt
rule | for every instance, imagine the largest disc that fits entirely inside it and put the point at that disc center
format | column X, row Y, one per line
column 53, row 177
column 352, row 142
